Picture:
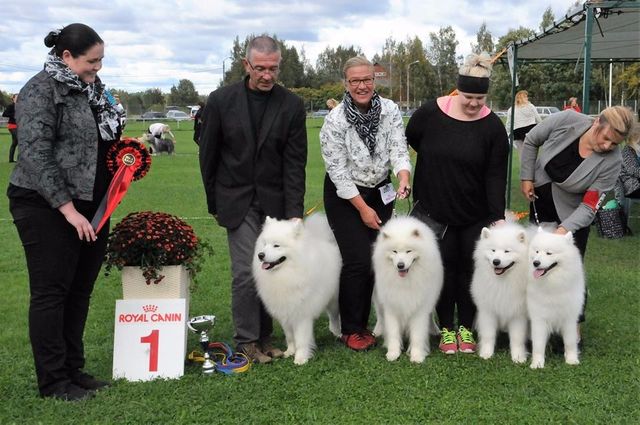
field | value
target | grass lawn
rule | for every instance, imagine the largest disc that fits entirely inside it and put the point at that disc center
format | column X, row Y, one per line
column 337, row 386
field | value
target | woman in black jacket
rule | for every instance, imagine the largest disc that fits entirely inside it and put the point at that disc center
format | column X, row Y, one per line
column 10, row 112
column 66, row 126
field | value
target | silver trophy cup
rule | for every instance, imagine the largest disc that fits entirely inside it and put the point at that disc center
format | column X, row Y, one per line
column 202, row 325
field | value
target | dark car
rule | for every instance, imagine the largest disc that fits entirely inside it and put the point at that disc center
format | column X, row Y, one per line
column 153, row 115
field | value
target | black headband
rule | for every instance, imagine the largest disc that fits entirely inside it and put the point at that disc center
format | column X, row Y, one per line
column 476, row 85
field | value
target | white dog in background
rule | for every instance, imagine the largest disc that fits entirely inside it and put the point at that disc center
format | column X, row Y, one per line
column 409, row 274
column 555, row 294
column 499, row 289
column 296, row 267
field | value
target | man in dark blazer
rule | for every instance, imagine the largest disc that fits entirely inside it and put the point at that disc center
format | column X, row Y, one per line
column 253, row 153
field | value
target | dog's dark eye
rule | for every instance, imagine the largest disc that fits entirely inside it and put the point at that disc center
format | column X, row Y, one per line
column 409, row 252
column 276, row 246
column 395, row 252
column 506, row 251
column 549, row 253
column 493, row 250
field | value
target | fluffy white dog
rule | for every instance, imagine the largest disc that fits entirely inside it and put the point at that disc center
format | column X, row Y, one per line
column 297, row 271
column 499, row 289
column 409, row 275
column 555, row 294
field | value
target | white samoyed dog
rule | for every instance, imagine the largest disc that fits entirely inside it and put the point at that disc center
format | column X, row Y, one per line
column 499, row 288
column 409, row 274
column 296, row 267
column 555, row 293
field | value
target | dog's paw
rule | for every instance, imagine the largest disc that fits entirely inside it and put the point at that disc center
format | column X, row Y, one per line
column 417, row 357
column 290, row 352
column 378, row 329
column 393, row 355
column 537, row 363
column 519, row 357
column 300, row 360
column 571, row 358
column 485, row 353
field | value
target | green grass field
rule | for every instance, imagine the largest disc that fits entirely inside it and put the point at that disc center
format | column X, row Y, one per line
column 337, row 386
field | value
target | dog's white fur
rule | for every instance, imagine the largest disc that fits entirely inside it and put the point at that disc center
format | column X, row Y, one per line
column 296, row 267
column 555, row 294
column 499, row 288
column 409, row 274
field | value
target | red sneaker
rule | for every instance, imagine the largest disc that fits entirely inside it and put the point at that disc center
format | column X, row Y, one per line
column 367, row 334
column 358, row 341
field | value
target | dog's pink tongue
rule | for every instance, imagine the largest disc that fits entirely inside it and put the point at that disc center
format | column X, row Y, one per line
column 265, row 266
column 402, row 273
column 537, row 273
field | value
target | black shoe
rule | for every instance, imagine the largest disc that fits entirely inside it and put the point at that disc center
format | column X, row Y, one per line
column 71, row 392
column 86, row 381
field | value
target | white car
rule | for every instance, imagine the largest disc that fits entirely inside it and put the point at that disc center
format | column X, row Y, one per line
column 178, row 115
column 545, row 111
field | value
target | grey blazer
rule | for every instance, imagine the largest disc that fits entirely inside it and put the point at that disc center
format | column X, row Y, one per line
column 598, row 172
column 58, row 141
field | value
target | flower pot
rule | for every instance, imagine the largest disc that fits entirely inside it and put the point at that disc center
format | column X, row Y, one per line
column 175, row 283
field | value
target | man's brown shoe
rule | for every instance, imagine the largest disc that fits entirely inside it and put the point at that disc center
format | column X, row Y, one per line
column 271, row 351
column 252, row 351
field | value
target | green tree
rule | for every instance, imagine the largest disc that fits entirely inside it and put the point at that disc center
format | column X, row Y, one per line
column 153, row 98
column 184, row 94
column 484, row 40
column 442, row 55
column 330, row 62
column 547, row 19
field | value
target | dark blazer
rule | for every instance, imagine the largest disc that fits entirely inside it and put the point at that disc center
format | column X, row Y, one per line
column 235, row 166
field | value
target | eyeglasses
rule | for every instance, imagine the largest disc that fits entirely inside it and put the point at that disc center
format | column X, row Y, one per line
column 356, row 83
column 274, row 70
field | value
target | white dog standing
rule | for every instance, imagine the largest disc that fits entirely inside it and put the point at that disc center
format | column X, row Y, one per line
column 297, row 267
column 499, row 289
column 409, row 275
column 555, row 294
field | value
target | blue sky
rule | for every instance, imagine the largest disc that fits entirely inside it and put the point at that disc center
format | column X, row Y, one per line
column 155, row 43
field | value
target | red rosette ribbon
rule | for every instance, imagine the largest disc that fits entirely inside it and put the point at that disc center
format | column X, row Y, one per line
column 127, row 160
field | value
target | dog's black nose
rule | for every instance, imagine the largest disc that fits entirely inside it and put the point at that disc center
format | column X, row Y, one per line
column 400, row 266
column 261, row 256
column 496, row 262
column 536, row 263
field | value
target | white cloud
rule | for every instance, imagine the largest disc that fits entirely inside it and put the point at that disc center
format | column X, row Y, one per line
column 150, row 43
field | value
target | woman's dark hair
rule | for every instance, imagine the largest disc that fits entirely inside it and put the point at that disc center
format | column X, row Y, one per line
column 76, row 38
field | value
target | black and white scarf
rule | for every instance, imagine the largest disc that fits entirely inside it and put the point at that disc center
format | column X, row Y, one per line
column 108, row 117
column 366, row 124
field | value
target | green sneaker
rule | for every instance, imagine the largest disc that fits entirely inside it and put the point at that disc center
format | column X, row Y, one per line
column 466, row 341
column 448, row 341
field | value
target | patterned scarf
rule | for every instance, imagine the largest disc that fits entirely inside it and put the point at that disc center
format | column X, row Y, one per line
column 366, row 124
column 108, row 117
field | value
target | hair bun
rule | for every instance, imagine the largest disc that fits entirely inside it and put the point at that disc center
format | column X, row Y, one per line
column 52, row 38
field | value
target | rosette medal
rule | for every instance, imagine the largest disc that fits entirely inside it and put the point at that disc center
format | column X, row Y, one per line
column 127, row 160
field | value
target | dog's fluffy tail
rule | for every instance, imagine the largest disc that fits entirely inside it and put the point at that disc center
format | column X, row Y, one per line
column 318, row 226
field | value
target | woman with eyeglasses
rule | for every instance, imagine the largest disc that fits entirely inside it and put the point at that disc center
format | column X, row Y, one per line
column 362, row 139
column 459, row 184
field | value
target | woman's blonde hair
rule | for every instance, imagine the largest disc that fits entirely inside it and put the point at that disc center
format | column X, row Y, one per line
column 520, row 97
column 477, row 65
column 356, row 61
column 620, row 118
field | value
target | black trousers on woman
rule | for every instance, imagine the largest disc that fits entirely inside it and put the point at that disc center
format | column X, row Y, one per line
column 14, row 145
column 456, row 248
column 62, row 272
column 355, row 241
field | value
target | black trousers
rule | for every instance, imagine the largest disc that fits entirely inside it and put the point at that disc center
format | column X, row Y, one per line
column 62, row 272
column 14, row 144
column 456, row 248
column 355, row 241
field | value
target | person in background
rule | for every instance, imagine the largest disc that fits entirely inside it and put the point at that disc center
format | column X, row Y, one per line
column 525, row 117
column 568, row 162
column 253, row 153
column 66, row 126
column 361, row 140
column 10, row 112
column 629, row 180
column 332, row 103
column 459, row 185
column 163, row 139
column 573, row 104
column 197, row 123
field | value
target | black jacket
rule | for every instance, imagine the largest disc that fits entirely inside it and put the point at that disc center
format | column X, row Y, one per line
column 235, row 166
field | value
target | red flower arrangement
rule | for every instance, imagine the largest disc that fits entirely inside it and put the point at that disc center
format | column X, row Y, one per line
column 151, row 240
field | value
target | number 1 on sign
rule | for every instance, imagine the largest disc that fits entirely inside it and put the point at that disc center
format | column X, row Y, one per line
column 152, row 339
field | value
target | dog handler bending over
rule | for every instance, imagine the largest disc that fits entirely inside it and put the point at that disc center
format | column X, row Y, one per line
column 361, row 139
column 253, row 153
column 579, row 161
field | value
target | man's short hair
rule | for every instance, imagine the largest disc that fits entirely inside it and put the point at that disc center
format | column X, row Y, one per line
column 263, row 44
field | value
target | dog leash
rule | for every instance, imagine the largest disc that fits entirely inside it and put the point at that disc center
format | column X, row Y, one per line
column 535, row 210
column 226, row 360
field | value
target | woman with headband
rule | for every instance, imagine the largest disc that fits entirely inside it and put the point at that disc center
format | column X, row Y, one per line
column 459, row 187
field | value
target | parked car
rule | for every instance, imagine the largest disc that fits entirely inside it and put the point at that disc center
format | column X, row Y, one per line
column 193, row 110
column 320, row 113
column 178, row 115
column 153, row 115
column 545, row 111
